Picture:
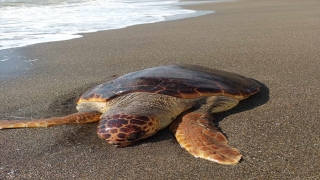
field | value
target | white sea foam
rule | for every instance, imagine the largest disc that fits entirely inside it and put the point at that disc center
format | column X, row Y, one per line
column 5, row 59
column 26, row 22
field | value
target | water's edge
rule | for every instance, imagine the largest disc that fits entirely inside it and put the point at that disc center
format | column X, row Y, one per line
column 13, row 63
column 57, row 29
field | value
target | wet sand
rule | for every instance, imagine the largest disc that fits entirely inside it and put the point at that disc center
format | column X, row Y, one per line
column 277, row 131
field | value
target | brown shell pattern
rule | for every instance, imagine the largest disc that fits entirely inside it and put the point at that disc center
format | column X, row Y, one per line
column 179, row 80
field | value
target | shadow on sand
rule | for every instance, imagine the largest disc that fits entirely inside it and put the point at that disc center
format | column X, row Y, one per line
column 252, row 102
column 66, row 104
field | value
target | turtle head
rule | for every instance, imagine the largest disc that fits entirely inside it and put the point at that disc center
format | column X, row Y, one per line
column 122, row 130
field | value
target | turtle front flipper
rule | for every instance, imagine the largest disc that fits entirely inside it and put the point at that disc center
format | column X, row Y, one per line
column 76, row 118
column 198, row 135
column 196, row 132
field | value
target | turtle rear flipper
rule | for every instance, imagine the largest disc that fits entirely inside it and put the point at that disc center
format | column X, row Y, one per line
column 76, row 118
column 198, row 135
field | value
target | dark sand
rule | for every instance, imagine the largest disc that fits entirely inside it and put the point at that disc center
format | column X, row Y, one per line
column 277, row 131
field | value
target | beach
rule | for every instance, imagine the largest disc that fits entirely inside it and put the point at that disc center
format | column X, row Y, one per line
column 277, row 130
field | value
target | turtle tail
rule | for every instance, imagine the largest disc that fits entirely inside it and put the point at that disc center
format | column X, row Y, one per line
column 76, row 118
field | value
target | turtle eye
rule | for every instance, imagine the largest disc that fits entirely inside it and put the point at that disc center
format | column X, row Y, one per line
column 122, row 130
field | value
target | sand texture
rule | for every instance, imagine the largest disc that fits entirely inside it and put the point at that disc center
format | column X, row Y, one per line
column 277, row 131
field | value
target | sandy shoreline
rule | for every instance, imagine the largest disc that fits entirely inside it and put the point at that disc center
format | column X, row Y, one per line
column 274, row 42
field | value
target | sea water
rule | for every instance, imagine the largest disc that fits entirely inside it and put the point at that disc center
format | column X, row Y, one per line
column 26, row 22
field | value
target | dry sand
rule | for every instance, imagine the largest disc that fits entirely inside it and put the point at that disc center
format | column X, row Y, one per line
column 277, row 131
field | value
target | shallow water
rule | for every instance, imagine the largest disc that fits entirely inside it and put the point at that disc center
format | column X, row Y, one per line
column 26, row 22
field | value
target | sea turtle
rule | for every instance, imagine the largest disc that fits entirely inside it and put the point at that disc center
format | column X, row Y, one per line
column 139, row 104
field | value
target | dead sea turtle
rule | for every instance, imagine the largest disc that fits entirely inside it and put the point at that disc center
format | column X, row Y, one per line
column 139, row 104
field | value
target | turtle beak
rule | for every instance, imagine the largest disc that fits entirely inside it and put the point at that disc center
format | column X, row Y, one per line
column 121, row 140
column 119, row 144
